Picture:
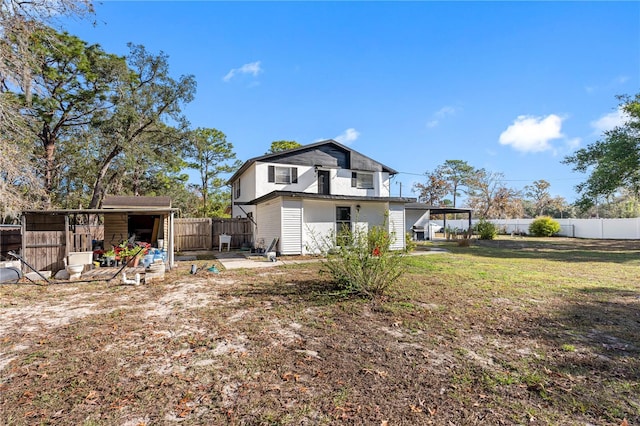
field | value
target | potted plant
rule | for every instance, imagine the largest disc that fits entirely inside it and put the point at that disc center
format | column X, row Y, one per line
column 131, row 253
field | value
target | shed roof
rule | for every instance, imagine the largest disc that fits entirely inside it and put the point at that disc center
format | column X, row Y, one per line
column 127, row 201
column 138, row 210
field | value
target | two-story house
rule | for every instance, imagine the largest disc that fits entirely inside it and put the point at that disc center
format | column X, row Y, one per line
column 303, row 194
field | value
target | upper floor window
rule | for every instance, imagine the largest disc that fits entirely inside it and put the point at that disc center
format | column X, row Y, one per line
column 236, row 188
column 283, row 175
column 362, row 180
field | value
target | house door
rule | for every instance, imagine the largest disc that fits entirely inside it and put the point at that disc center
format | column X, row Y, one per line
column 323, row 182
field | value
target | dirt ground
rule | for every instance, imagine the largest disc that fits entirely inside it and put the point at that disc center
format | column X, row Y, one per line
column 281, row 346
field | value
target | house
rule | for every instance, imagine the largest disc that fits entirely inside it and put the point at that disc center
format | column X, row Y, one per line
column 301, row 195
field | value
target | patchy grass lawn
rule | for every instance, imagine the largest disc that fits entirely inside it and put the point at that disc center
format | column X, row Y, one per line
column 514, row 331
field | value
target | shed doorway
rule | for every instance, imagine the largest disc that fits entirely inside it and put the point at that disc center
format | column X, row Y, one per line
column 144, row 227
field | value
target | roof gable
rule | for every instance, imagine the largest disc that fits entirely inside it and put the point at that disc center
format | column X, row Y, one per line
column 328, row 153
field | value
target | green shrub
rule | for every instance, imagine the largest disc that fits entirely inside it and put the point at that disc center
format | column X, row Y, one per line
column 409, row 244
column 363, row 263
column 486, row 230
column 544, row 226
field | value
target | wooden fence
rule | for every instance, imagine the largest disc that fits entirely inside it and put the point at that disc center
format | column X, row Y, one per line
column 192, row 234
column 45, row 250
column 203, row 233
column 240, row 229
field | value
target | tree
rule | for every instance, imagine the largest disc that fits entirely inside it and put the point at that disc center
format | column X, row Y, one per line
column 19, row 186
column 490, row 198
column 211, row 156
column 277, row 146
column 72, row 80
column 539, row 195
column 613, row 163
column 434, row 190
column 144, row 100
column 458, row 174
column 18, row 21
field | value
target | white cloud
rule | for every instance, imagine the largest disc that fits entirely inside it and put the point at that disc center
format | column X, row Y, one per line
column 347, row 136
column 609, row 121
column 621, row 79
column 439, row 115
column 532, row 134
column 573, row 143
column 252, row 68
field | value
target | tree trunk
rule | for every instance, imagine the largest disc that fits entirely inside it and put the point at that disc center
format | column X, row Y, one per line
column 98, row 187
column 49, row 143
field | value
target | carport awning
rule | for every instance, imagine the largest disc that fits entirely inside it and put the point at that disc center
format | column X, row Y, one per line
column 438, row 209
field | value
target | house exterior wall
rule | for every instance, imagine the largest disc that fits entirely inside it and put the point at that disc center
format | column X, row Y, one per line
column 319, row 227
column 247, row 193
column 254, row 183
column 319, row 224
column 268, row 219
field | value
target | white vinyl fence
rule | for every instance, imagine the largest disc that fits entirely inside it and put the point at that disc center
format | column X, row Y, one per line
column 608, row 229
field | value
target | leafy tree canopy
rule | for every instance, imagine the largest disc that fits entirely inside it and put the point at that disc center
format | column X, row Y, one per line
column 613, row 163
column 211, row 155
column 277, row 146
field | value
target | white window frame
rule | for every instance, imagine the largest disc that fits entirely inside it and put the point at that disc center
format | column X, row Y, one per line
column 361, row 184
column 278, row 170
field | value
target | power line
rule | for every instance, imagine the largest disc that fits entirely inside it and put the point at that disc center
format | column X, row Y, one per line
column 505, row 180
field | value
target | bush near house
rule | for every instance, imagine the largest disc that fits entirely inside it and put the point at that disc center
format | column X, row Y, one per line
column 544, row 226
column 363, row 263
column 486, row 230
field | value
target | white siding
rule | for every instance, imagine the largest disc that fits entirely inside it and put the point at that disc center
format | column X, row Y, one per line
column 291, row 240
column 371, row 214
column 306, row 179
column 318, row 225
column 247, row 193
column 268, row 220
column 341, row 184
column 255, row 182
column 396, row 225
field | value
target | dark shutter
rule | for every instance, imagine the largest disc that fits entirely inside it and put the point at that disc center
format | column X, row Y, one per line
column 272, row 174
column 294, row 175
column 354, row 179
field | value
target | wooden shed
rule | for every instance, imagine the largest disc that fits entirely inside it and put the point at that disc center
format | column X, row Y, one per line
column 49, row 236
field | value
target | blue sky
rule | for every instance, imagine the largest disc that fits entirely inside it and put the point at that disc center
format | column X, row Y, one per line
column 512, row 87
